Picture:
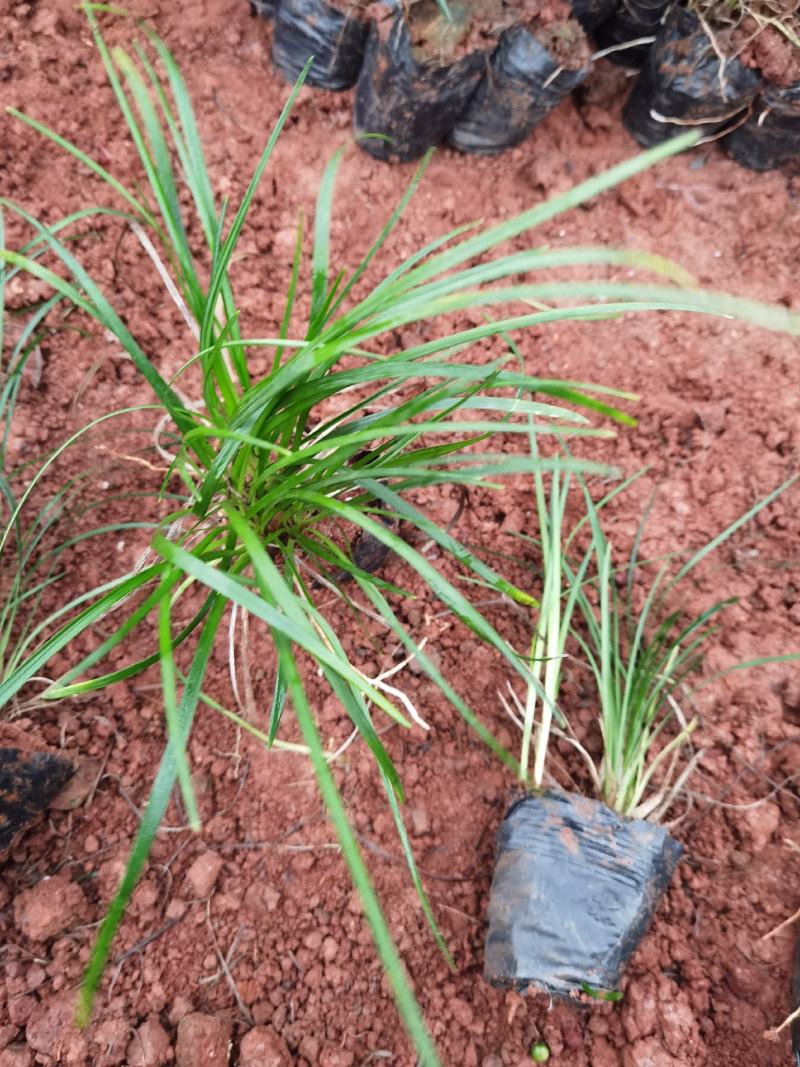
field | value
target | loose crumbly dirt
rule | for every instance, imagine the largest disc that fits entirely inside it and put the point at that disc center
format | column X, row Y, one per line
column 718, row 425
column 770, row 51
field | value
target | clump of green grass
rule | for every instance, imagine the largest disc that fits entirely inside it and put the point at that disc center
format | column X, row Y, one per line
column 266, row 468
column 38, row 528
column 640, row 659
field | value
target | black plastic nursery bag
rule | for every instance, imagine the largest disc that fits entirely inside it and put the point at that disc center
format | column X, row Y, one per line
column 305, row 28
column 771, row 135
column 267, row 9
column 630, row 21
column 522, row 84
column 574, row 889
column 680, row 85
column 28, row 782
column 590, row 13
column 410, row 105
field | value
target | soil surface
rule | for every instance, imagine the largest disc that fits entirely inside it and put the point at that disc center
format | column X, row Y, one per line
column 248, row 940
column 771, row 52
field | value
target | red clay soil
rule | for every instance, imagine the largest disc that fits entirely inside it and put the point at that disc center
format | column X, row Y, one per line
column 251, row 933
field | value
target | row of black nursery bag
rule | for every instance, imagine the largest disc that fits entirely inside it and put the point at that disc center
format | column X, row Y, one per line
column 483, row 103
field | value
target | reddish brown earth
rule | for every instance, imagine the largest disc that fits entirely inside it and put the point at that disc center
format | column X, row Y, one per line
column 264, row 887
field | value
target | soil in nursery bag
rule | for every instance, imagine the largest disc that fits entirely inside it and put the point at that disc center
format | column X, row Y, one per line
column 682, row 85
column 631, row 20
column 771, row 135
column 574, row 889
column 334, row 35
column 533, row 68
column 419, row 73
column 30, row 777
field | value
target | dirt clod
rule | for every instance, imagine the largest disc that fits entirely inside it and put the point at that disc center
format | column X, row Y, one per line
column 48, row 908
column 648, row 1053
column 762, row 823
column 16, row 1056
column 262, row 1047
column 52, row 1031
column 203, row 1041
column 149, row 1046
column 204, row 872
column 79, row 786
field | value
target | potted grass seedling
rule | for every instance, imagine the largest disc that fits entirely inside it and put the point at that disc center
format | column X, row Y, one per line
column 480, row 76
column 536, row 64
column 770, row 135
column 693, row 74
column 272, row 454
column 577, row 879
column 421, row 66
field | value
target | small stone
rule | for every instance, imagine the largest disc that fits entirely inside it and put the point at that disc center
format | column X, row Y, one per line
column 461, row 1012
column 48, row 908
column 204, row 872
column 330, row 949
column 35, row 976
column 262, row 1011
column 420, row 822
column 176, row 909
column 263, row 1047
column 203, row 1041
column 762, row 822
column 91, row 845
column 313, row 940
column 79, row 786
column 261, row 898
column 149, row 1046
column 181, row 1005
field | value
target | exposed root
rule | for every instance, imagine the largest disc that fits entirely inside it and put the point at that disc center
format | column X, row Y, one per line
column 782, row 926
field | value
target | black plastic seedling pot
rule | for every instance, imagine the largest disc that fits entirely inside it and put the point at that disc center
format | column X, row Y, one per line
column 408, row 106
column 28, row 782
column 575, row 887
column 681, row 85
column 523, row 83
column 771, row 135
column 336, row 40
